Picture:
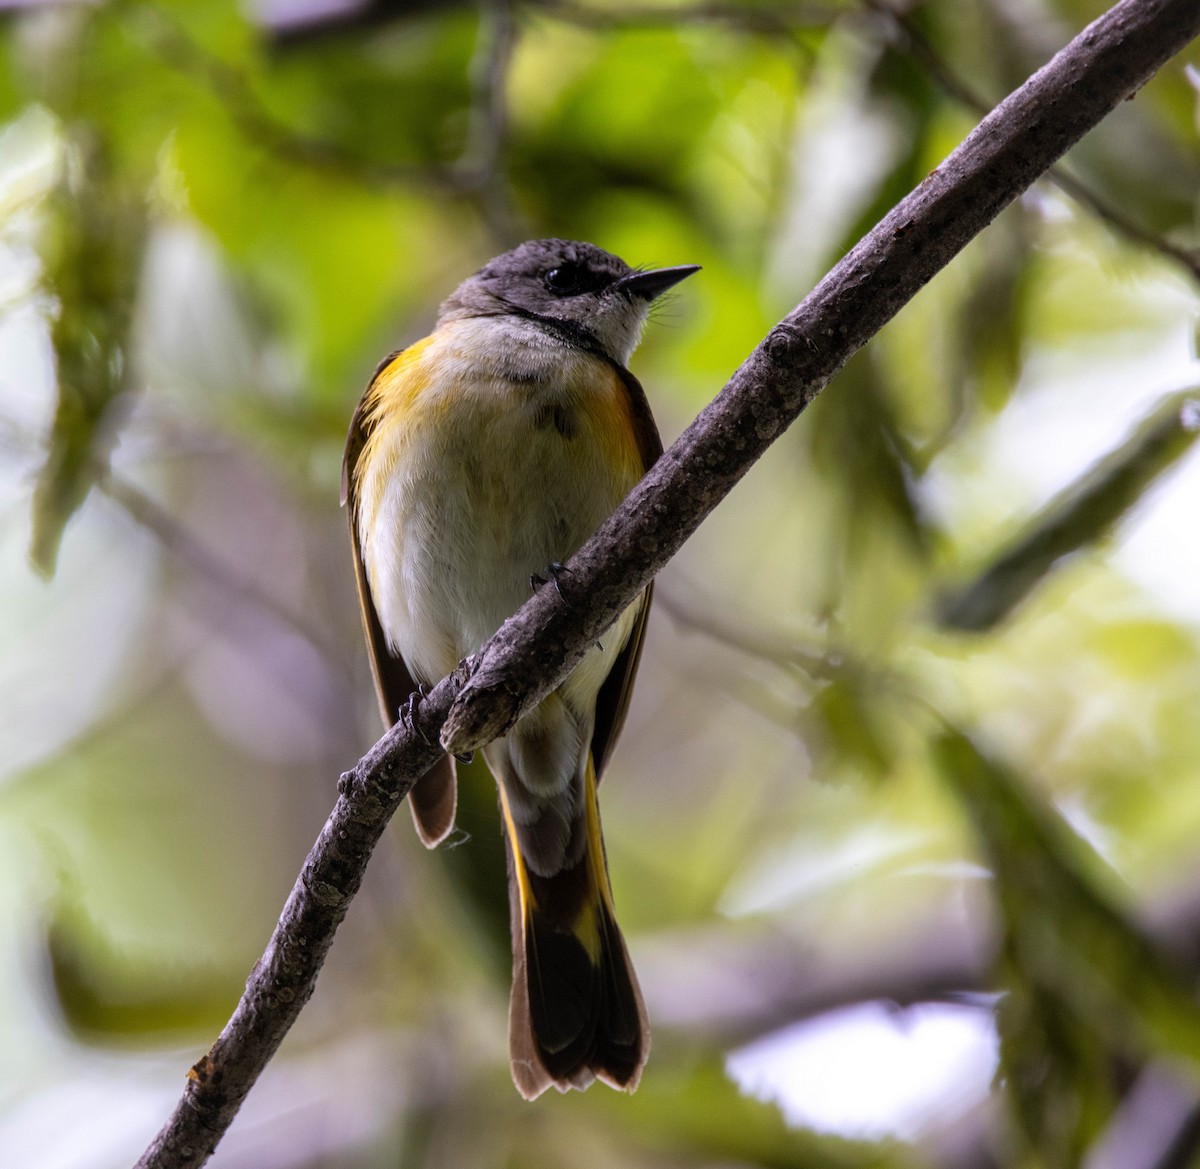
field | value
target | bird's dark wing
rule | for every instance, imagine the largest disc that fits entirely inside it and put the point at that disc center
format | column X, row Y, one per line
column 612, row 703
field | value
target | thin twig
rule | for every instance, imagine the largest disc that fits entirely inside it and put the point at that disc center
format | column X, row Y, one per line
column 533, row 651
column 1120, row 222
column 767, row 644
column 922, row 51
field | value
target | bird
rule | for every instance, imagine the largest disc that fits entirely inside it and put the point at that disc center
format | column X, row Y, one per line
column 478, row 460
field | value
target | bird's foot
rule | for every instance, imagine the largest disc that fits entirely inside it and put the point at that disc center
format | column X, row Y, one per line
column 408, row 713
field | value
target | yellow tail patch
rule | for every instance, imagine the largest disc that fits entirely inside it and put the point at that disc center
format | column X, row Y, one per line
column 587, row 925
column 528, row 903
column 596, row 840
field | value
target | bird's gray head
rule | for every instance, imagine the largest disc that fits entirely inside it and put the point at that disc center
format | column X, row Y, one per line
column 582, row 289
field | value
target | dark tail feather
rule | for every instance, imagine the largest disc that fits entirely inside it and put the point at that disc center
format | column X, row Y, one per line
column 576, row 1013
column 572, row 1018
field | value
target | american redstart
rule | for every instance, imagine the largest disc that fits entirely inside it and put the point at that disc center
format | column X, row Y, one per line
column 479, row 458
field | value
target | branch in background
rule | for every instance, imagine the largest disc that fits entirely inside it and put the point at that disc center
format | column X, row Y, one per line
column 306, row 22
column 778, row 17
column 758, row 641
column 477, row 171
column 1086, row 987
column 1076, row 518
column 234, row 92
column 921, row 51
column 946, row 951
column 534, row 650
column 1156, row 1126
column 736, row 982
column 1109, row 213
column 831, row 697
column 761, row 979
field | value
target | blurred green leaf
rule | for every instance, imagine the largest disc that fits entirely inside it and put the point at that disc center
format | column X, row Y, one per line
column 10, row 95
column 1061, row 1075
column 845, row 719
column 402, row 96
column 1078, row 516
column 107, row 996
column 92, row 246
column 989, row 324
column 854, row 437
column 588, row 139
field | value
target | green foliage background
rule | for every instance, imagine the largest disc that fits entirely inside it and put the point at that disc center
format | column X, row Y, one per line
column 952, row 613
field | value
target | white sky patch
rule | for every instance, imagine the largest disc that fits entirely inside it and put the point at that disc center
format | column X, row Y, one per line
column 871, row 1071
column 1159, row 548
column 1072, row 409
column 1076, row 407
column 843, row 146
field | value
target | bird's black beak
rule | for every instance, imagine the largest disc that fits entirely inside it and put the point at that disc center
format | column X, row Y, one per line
column 648, row 285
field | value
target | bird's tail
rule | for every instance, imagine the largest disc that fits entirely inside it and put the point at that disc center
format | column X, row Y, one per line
column 576, row 1012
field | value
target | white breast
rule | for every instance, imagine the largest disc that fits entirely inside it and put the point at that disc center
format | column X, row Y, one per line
column 488, row 481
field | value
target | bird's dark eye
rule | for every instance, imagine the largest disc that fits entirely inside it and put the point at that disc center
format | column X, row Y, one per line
column 570, row 280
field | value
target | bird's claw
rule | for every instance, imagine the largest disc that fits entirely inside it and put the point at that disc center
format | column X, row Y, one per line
column 408, row 714
column 553, row 571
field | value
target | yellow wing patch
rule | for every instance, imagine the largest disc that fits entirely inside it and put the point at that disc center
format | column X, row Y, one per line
column 391, row 397
column 613, row 422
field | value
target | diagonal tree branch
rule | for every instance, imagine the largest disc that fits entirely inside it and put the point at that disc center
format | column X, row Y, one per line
column 534, row 650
